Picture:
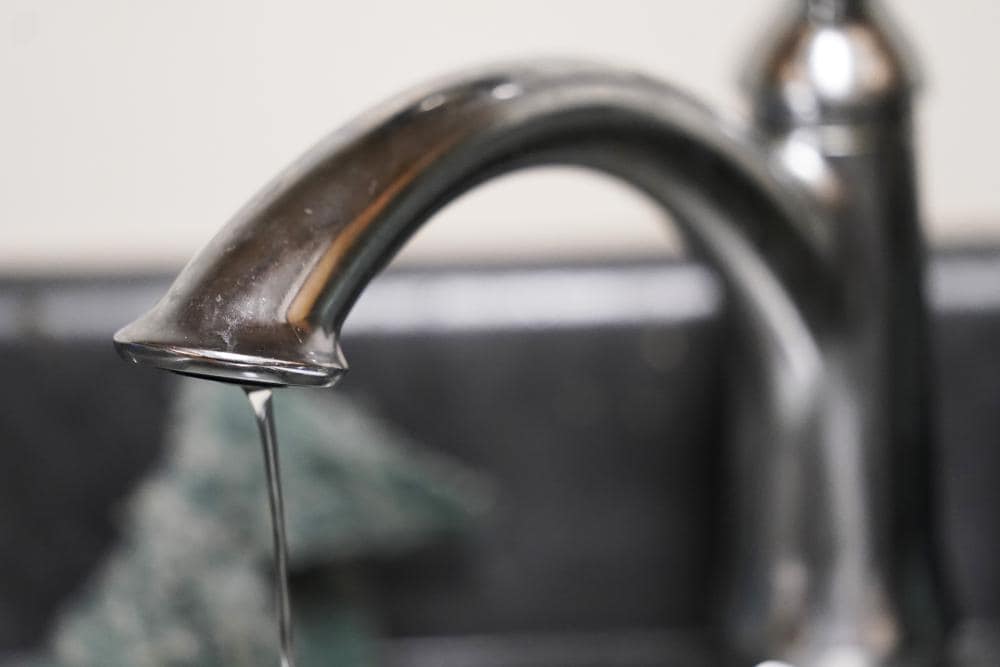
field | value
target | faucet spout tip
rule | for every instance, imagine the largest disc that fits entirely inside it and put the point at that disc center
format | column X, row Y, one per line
column 142, row 342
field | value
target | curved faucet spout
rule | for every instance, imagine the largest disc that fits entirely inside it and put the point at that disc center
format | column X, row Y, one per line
column 816, row 573
column 264, row 301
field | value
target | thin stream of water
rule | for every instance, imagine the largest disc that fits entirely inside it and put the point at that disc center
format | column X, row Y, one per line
column 260, row 401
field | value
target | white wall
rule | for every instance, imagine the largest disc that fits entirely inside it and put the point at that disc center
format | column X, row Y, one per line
column 129, row 131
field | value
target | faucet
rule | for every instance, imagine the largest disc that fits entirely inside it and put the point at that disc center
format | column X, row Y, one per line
column 808, row 214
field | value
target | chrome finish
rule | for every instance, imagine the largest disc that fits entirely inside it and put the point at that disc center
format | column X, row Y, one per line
column 835, row 10
column 264, row 301
column 835, row 63
column 812, row 227
column 832, row 95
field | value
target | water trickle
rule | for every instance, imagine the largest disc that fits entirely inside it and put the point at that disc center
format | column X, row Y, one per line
column 260, row 400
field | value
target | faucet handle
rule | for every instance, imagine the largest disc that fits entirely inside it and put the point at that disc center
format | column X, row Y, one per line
column 837, row 62
column 835, row 11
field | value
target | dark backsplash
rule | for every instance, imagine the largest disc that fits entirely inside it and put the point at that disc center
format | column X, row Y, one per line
column 603, row 438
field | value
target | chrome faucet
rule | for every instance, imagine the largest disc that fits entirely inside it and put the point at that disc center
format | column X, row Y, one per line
column 809, row 216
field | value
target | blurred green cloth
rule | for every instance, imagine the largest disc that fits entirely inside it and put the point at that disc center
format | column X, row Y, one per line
column 191, row 583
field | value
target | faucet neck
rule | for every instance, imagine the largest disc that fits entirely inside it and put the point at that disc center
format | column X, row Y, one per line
column 248, row 304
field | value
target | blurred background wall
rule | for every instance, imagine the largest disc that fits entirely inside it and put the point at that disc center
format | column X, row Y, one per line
column 129, row 131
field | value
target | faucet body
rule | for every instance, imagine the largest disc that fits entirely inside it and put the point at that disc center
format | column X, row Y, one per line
column 832, row 96
column 810, row 221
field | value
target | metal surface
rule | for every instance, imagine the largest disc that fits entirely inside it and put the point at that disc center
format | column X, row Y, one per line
column 832, row 93
column 835, row 10
column 830, row 561
column 834, row 64
column 265, row 299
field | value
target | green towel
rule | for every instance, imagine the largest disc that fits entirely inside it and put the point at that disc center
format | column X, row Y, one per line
column 190, row 582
